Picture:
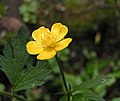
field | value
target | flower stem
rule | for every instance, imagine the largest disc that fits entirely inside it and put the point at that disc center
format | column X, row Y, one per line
column 62, row 75
column 11, row 95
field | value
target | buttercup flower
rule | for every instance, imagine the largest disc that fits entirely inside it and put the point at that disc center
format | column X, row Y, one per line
column 47, row 43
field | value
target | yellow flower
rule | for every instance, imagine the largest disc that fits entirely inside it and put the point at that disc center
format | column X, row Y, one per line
column 47, row 43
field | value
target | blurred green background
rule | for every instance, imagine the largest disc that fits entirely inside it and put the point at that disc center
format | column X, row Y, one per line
column 94, row 26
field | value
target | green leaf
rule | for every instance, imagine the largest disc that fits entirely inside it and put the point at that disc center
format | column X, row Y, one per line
column 78, row 97
column 17, row 64
column 87, row 96
column 19, row 45
column 12, row 68
column 64, row 98
column 116, row 99
column 91, row 83
column 15, row 56
column 33, row 76
column 115, row 74
column 92, row 96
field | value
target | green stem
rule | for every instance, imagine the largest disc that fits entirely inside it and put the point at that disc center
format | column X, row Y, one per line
column 62, row 75
column 11, row 95
column 13, row 98
column 61, row 72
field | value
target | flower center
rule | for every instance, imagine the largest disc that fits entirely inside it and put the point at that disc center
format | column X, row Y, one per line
column 48, row 40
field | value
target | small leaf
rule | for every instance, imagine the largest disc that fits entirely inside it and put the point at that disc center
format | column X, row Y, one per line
column 86, row 96
column 33, row 76
column 92, row 83
column 90, row 95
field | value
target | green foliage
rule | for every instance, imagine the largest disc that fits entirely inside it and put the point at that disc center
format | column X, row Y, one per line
column 116, row 99
column 82, row 92
column 2, row 87
column 2, row 9
column 87, row 96
column 95, row 66
column 71, row 4
column 15, row 56
column 89, row 54
column 14, row 63
column 92, row 83
column 80, row 16
column 33, row 76
column 110, row 1
column 64, row 98
column 28, row 11
column 73, row 79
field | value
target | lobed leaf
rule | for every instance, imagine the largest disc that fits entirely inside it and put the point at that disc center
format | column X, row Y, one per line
column 15, row 56
column 17, row 64
column 33, row 76
column 12, row 68
column 18, row 44
column 91, row 83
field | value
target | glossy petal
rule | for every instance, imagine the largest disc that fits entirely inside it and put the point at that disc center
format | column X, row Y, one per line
column 47, row 43
column 37, row 34
column 33, row 47
column 59, row 31
column 46, row 55
column 62, row 44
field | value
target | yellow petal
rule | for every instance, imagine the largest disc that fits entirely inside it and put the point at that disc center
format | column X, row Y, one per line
column 37, row 34
column 46, row 55
column 62, row 44
column 34, row 48
column 59, row 31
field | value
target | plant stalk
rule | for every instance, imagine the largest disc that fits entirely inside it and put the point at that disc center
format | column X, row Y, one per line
column 62, row 75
